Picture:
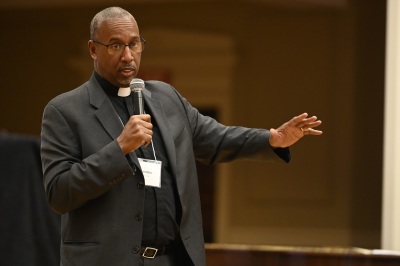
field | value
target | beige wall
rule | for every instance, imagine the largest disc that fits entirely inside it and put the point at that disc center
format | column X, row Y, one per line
column 269, row 64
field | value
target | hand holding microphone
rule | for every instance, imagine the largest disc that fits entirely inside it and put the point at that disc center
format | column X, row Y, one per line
column 138, row 129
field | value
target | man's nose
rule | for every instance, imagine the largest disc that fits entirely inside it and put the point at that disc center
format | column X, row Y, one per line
column 127, row 54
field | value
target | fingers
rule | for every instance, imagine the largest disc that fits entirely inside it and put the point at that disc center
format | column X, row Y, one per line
column 307, row 124
column 142, row 128
column 137, row 131
column 137, row 122
column 299, row 118
column 311, row 131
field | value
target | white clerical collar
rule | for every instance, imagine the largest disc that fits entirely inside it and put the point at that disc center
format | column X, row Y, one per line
column 123, row 92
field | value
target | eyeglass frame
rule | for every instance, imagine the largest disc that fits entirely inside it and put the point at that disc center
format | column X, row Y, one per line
column 142, row 41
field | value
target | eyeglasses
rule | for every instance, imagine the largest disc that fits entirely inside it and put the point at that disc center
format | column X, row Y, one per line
column 117, row 48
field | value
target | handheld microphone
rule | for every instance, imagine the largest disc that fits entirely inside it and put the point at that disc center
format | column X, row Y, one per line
column 137, row 86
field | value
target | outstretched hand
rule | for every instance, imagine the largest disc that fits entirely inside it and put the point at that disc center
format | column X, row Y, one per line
column 293, row 130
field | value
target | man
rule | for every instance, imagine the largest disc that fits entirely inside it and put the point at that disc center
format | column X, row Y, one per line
column 95, row 151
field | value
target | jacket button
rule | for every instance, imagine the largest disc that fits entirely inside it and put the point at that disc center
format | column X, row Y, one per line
column 140, row 185
column 139, row 216
column 135, row 250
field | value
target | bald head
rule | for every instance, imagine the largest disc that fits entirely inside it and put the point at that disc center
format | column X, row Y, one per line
column 105, row 14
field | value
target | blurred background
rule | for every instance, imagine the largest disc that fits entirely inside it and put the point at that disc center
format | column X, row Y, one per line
column 254, row 63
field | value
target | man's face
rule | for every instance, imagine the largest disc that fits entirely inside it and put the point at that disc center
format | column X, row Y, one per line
column 118, row 68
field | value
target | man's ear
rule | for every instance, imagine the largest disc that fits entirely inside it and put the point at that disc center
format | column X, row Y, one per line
column 92, row 49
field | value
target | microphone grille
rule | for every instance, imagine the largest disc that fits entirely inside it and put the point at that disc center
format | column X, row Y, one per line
column 137, row 84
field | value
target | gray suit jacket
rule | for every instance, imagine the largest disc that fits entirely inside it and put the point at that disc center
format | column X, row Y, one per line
column 91, row 183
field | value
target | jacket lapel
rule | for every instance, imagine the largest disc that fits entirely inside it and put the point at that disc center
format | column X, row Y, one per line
column 106, row 113
column 159, row 115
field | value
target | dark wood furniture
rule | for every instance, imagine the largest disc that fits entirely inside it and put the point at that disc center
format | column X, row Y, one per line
column 255, row 255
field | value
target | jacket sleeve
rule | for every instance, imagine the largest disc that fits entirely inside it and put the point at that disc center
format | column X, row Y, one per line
column 214, row 142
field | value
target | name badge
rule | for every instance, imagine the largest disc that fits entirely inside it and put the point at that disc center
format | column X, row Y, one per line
column 151, row 171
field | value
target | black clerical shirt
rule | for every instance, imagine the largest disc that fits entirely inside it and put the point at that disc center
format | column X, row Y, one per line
column 161, row 205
